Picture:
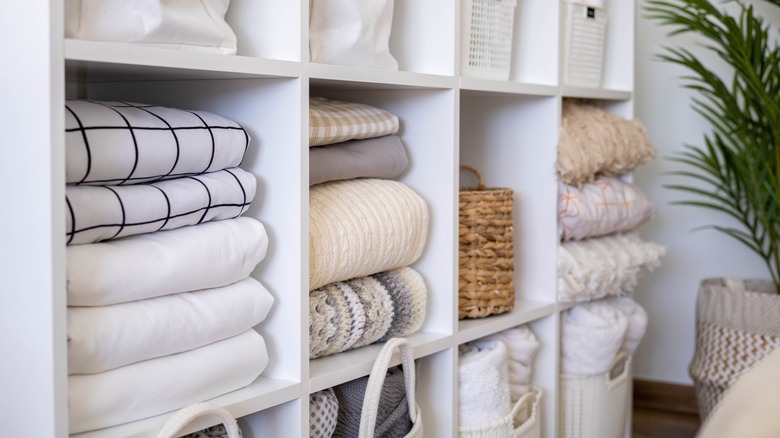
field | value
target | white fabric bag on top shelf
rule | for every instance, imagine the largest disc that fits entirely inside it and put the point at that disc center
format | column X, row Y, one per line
column 351, row 32
column 178, row 24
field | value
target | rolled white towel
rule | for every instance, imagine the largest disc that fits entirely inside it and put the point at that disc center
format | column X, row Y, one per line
column 161, row 385
column 592, row 335
column 637, row 322
column 484, row 392
column 212, row 254
column 107, row 337
column 522, row 346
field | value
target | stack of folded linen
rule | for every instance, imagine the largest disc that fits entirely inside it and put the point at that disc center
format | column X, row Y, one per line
column 160, row 313
column 593, row 334
column 597, row 208
column 494, row 374
column 365, row 229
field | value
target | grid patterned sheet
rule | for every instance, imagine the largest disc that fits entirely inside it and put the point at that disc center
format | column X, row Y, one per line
column 333, row 121
column 118, row 143
column 96, row 213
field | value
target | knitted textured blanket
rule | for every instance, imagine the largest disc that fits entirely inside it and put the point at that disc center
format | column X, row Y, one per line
column 361, row 227
column 358, row 312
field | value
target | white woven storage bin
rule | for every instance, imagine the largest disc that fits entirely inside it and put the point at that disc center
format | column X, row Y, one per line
column 596, row 406
column 585, row 31
column 486, row 41
column 523, row 422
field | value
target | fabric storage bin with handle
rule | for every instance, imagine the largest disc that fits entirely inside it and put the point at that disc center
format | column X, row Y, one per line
column 585, row 30
column 198, row 26
column 523, row 422
column 596, row 406
column 486, row 250
column 178, row 421
column 486, row 38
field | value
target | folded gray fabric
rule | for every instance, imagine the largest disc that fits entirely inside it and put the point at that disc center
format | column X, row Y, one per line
column 380, row 157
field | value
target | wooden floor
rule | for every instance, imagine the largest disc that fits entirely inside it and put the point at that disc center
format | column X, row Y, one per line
column 663, row 410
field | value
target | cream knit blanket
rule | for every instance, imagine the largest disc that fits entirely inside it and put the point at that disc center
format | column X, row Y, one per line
column 361, row 227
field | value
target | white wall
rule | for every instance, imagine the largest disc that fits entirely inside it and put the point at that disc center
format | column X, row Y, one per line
column 669, row 293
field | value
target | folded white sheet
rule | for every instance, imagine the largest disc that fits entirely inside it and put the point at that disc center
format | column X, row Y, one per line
column 117, row 143
column 637, row 322
column 150, row 265
column 592, row 335
column 482, row 379
column 107, row 337
column 161, row 385
column 96, row 213
column 522, row 345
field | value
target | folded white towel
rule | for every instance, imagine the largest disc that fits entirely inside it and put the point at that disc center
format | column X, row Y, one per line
column 522, row 345
column 107, row 337
column 161, row 385
column 150, row 265
column 483, row 394
column 96, row 213
column 592, row 335
column 637, row 322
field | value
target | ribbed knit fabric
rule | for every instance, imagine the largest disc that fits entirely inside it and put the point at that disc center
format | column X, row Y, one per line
column 358, row 312
column 361, row 227
column 392, row 419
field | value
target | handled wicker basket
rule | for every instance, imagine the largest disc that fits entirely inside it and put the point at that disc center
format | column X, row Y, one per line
column 486, row 251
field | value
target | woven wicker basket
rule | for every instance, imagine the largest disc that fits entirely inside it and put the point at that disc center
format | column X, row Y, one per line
column 486, row 251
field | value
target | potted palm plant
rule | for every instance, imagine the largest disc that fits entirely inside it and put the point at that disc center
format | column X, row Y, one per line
column 734, row 171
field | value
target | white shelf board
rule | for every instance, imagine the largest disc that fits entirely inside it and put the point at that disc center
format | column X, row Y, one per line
column 329, row 371
column 507, row 87
column 107, row 61
column 261, row 394
column 594, row 93
column 359, row 77
column 524, row 312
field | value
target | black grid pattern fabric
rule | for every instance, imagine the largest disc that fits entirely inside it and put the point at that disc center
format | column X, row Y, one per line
column 97, row 213
column 119, row 143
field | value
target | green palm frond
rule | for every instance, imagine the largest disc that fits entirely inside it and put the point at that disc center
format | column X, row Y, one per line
column 737, row 169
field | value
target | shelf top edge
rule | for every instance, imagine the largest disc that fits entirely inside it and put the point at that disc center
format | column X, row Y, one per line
column 507, row 87
column 595, row 93
column 370, row 78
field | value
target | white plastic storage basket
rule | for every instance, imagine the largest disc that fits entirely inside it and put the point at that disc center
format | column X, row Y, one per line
column 596, row 406
column 486, row 41
column 585, row 31
column 523, row 422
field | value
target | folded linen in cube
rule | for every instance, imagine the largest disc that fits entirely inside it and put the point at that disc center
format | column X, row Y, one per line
column 150, row 265
column 522, row 345
column 604, row 266
column 483, row 395
column 381, row 157
column 592, row 334
column 156, row 386
column 360, row 311
column 97, row 213
column 637, row 322
column 107, row 337
column 361, row 227
column 594, row 142
column 335, row 121
column 602, row 207
column 118, row 143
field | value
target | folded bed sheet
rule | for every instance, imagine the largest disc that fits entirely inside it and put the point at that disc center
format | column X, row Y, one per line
column 592, row 334
column 150, row 265
column 334, row 121
column 358, row 312
column 107, row 337
column 117, row 143
column 381, row 157
column 97, row 213
column 156, row 386
column 361, row 227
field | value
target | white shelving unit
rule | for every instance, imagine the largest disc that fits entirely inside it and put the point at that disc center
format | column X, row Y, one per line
column 506, row 129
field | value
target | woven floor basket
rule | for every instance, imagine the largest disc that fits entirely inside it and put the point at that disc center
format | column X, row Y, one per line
column 737, row 324
column 486, row 251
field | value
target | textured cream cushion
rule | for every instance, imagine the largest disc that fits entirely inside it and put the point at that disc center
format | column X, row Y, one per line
column 606, row 266
column 361, row 227
column 594, row 142
column 605, row 206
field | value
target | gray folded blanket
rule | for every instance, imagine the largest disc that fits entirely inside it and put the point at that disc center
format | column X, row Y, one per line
column 380, row 157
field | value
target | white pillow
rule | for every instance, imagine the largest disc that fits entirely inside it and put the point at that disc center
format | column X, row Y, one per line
column 349, row 32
